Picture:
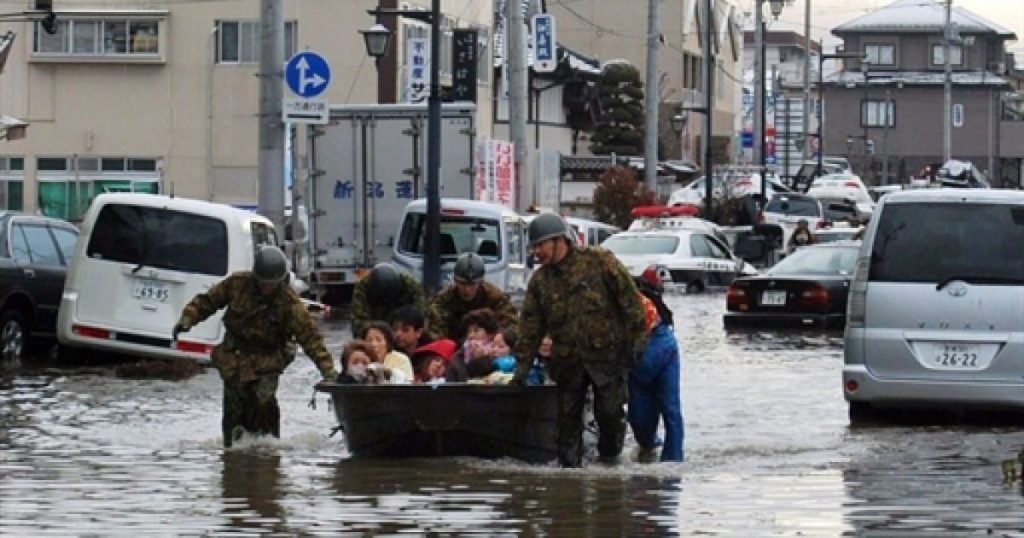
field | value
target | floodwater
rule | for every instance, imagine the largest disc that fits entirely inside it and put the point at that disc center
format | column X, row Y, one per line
column 768, row 453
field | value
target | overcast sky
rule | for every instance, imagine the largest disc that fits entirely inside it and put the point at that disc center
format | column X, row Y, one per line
column 827, row 14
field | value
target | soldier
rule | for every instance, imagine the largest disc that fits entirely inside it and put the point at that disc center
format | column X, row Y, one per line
column 469, row 292
column 263, row 316
column 379, row 293
column 587, row 302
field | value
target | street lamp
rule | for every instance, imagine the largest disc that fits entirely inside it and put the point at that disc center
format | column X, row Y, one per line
column 377, row 38
column 821, row 104
column 678, row 122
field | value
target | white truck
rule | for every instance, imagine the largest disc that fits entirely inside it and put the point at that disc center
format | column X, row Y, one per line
column 365, row 166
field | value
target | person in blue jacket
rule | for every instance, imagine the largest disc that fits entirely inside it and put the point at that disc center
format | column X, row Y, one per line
column 654, row 381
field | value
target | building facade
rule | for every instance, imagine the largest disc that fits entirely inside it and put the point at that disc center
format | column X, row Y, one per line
column 886, row 114
column 164, row 98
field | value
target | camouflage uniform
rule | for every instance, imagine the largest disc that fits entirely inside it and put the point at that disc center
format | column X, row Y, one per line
column 367, row 307
column 444, row 318
column 256, row 348
column 588, row 304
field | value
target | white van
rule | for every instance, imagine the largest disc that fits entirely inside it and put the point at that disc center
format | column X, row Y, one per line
column 591, row 232
column 140, row 259
column 493, row 231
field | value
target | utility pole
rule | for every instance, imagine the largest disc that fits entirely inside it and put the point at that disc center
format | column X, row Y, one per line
column 758, row 81
column 947, row 86
column 651, row 99
column 807, row 79
column 885, row 138
column 271, row 128
column 709, row 109
column 515, row 69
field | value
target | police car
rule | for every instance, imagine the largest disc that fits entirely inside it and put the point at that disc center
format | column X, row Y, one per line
column 696, row 258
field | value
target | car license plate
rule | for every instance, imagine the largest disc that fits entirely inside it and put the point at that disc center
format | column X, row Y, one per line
column 773, row 298
column 150, row 290
column 958, row 356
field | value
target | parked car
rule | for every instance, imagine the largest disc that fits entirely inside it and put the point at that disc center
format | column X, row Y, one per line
column 728, row 184
column 786, row 210
column 809, row 287
column 835, row 188
column 34, row 254
column 808, row 170
column 936, row 311
column 142, row 257
column 591, row 232
column 696, row 259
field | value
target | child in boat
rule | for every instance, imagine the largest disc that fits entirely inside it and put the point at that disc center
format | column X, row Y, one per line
column 481, row 328
column 500, row 366
column 538, row 370
column 431, row 360
column 355, row 359
column 381, row 341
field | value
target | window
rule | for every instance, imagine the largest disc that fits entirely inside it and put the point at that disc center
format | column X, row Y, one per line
column 514, row 249
column 100, row 37
column 66, row 240
column 699, row 246
column 40, row 245
column 458, row 235
column 19, row 246
column 956, row 55
column 794, row 206
column 877, row 113
column 641, row 244
column 51, row 164
column 161, row 238
column 909, row 247
column 238, row 42
column 880, row 54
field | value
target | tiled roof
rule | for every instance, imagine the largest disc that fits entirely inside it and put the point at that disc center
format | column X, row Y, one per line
column 916, row 16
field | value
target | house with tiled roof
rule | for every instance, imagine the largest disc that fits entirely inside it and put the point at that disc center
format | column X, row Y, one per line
column 886, row 113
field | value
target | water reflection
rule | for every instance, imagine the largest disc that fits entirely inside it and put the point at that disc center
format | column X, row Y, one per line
column 502, row 498
column 252, row 489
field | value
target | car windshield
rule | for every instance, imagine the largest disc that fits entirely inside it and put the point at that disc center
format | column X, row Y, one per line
column 818, row 261
column 793, row 206
column 458, row 235
column 160, row 238
column 641, row 244
column 932, row 242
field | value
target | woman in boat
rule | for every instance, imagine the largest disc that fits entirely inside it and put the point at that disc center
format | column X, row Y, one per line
column 381, row 341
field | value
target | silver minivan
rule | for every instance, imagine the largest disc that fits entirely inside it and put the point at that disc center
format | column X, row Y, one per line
column 935, row 316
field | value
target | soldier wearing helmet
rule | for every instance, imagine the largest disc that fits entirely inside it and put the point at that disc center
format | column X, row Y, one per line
column 263, row 317
column 380, row 292
column 586, row 301
column 468, row 292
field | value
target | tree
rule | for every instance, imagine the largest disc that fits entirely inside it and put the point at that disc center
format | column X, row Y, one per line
column 620, row 129
column 618, row 192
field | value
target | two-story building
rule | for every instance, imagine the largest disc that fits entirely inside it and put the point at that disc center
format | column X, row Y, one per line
column 886, row 113
column 163, row 95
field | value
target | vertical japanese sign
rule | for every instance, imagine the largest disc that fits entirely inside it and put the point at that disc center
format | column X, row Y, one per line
column 495, row 173
column 418, row 85
column 504, row 173
column 544, row 43
column 464, row 61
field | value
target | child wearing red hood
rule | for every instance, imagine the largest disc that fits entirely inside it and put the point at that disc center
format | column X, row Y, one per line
column 430, row 361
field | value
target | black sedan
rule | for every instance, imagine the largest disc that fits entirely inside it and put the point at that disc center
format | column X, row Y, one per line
column 808, row 288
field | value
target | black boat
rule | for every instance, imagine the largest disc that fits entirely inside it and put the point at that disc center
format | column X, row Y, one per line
column 449, row 419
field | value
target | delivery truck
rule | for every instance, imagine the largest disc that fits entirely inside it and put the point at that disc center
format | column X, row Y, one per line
column 365, row 166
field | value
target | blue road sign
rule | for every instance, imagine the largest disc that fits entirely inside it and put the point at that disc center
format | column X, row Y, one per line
column 307, row 74
column 544, row 44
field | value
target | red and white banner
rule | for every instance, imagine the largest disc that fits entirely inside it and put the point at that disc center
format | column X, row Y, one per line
column 495, row 173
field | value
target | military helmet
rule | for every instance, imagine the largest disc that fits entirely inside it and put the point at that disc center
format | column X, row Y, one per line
column 469, row 268
column 384, row 281
column 547, row 226
column 269, row 266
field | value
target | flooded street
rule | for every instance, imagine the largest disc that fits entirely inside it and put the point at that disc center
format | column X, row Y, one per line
column 768, row 453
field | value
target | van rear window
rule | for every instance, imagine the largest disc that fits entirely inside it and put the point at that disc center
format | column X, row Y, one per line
column 934, row 242
column 160, row 238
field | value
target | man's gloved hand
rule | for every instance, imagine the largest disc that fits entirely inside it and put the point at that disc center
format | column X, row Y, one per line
column 178, row 329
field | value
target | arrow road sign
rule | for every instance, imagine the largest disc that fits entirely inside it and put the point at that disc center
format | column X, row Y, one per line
column 307, row 74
